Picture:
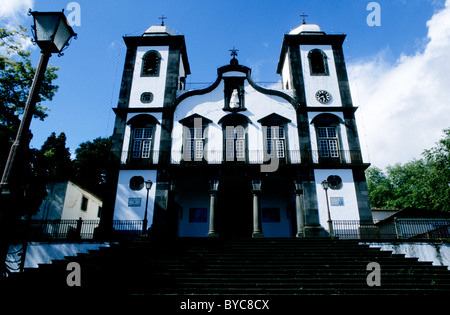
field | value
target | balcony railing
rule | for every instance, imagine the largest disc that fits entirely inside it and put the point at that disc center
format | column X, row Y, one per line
column 250, row 156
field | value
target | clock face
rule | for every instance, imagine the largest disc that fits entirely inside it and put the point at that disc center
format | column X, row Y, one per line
column 323, row 96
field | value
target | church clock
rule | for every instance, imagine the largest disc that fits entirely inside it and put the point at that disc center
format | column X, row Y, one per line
column 323, row 96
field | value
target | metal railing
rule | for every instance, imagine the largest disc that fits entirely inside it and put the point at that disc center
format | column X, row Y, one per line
column 394, row 229
column 86, row 230
column 250, row 156
column 76, row 230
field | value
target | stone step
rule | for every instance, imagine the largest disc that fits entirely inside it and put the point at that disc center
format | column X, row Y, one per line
column 243, row 266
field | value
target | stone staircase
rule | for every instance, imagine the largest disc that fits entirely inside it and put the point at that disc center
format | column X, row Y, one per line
column 215, row 266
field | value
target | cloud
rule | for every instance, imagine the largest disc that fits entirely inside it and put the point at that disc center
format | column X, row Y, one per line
column 14, row 11
column 405, row 106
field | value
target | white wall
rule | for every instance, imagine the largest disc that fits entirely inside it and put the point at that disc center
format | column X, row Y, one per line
column 315, row 83
column 72, row 204
column 211, row 105
column 155, row 85
column 349, row 211
column 124, row 212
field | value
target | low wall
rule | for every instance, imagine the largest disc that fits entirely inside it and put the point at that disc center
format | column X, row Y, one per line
column 44, row 253
column 437, row 253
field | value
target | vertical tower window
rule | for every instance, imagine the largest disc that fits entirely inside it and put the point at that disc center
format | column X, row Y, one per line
column 318, row 63
column 328, row 142
column 142, row 140
column 150, row 63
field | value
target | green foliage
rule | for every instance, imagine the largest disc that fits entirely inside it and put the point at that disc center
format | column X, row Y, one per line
column 16, row 77
column 380, row 188
column 55, row 158
column 421, row 183
column 93, row 165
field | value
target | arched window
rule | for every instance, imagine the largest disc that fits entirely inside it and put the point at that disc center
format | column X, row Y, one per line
column 318, row 63
column 150, row 64
column 328, row 140
column 142, row 138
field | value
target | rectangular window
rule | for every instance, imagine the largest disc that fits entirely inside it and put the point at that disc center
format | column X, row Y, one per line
column 195, row 143
column 328, row 142
column 275, row 141
column 270, row 215
column 84, row 203
column 142, row 140
column 234, row 143
column 197, row 215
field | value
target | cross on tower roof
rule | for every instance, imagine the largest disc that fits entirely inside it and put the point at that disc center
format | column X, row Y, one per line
column 304, row 15
column 162, row 18
column 234, row 52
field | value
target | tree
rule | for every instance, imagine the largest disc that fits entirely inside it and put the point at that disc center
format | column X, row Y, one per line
column 421, row 183
column 16, row 77
column 93, row 164
column 438, row 159
column 55, row 158
column 410, row 184
column 380, row 188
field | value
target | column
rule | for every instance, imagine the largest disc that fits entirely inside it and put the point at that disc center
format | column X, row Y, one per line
column 299, row 210
column 257, row 229
column 214, row 184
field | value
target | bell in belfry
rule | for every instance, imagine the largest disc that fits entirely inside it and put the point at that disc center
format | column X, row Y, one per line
column 234, row 101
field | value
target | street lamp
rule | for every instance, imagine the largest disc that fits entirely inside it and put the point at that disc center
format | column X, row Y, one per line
column 148, row 186
column 325, row 186
column 51, row 33
column 256, row 185
column 213, row 185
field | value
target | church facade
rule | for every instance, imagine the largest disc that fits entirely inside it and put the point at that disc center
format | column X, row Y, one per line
column 237, row 159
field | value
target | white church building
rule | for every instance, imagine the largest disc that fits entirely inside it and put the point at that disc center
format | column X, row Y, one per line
column 236, row 159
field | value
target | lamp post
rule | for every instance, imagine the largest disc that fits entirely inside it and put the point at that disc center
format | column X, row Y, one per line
column 51, row 33
column 148, row 186
column 326, row 185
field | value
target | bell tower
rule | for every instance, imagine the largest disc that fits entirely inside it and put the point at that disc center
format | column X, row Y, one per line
column 312, row 65
column 155, row 69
